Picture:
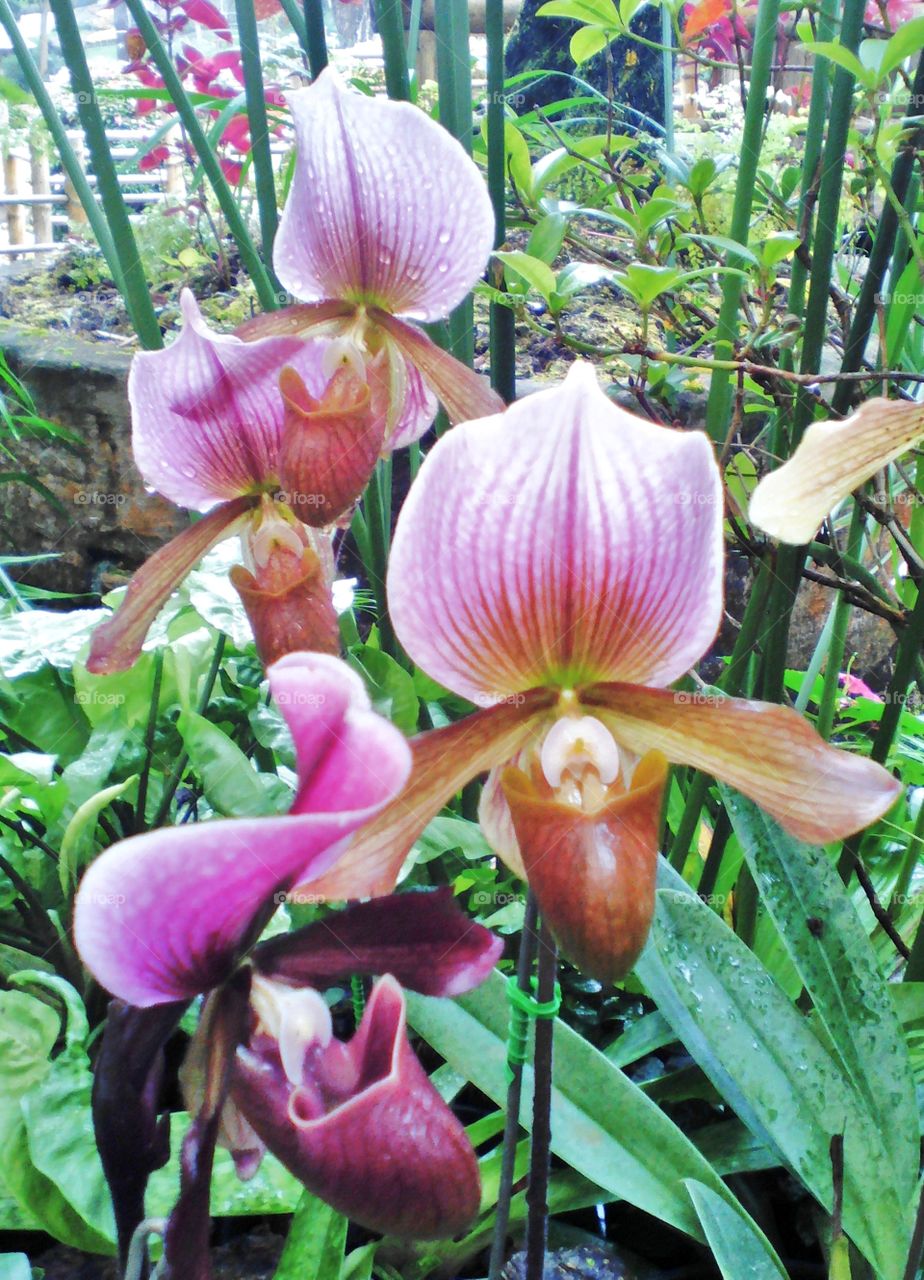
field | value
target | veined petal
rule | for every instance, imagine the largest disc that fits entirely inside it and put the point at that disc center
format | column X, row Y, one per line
column 560, row 543
column 593, row 874
column 833, row 459
column 768, row 752
column 117, row 643
column 373, row 213
column 463, row 393
column 443, row 761
column 420, row 406
column 296, row 320
column 391, row 1156
column 207, row 413
column 423, row 939
column 160, row 917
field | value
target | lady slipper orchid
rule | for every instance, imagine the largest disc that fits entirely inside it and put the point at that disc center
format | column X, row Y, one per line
column 561, row 565
column 166, row 916
column 833, row 459
column 387, row 221
column 274, row 440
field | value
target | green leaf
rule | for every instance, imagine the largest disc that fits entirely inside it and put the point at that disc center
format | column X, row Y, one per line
column 445, row 833
column 391, row 688
column 602, row 13
column 76, row 844
column 645, row 283
column 836, row 53
column 533, row 271
column 315, row 1243
column 726, row 245
column 602, row 1124
column 740, row 1248
column 839, row 970
column 546, row 237
column 517, row 161
column 777, row 246
column 908, row 40
column 587, row 42
column 30, row 1029
column 231, row 784
column 762, row 1056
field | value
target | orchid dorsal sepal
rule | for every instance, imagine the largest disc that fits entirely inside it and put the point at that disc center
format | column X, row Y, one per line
column 832, row 459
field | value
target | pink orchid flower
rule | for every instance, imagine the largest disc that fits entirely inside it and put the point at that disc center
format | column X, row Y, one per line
column 166, row 916
column 561, row 565
column 388, row 221
column 274, row 440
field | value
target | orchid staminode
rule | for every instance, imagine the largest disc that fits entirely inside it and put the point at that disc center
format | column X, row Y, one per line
column 274, row 440
column 387, row 222
column 163, row 917
column 561, row 565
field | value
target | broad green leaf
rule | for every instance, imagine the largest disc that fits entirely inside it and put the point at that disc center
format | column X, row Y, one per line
column 836, row 53
column 517, row 161
column 587, row 42
column 839, row 970
column 546, row 237
column 777, row 246
column 726, row 245
column 762, row 1056
column 740, row 1248
column 315, row 1244
column 645, row 283
column 905, row 301
column 390, row 687
column 358, row 1264
column 908, row 40
column 85, row 776
column 602, row 1124
column 231, row 784
column 602, row 13
column 444, row 833
column 40, row 707
column 533, row 271
column 30, row 1029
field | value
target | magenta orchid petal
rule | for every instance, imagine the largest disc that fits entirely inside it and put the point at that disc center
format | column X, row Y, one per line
column 351, row 229
column 583, row 540
column 161, row 916
column 420, row 406
column 207, row 414
column 423, row 939
column 366, row 1130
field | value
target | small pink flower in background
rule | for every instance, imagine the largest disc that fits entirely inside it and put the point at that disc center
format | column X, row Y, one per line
column 854, row 687
column 573, row 561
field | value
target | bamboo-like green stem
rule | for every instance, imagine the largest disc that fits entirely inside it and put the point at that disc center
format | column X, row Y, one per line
column 502, row 319
column 667, row 78
column 909, row 648
column 376, row 509
column 838, row 643
column 537, row 1195
column 453, row 72
column 149, row 734
column 262, row 282
column 72, row 166
column 133, row 284
column 259, row 124
column 390, row 18
column 719, row 402
column 297, row 23
column 315, row 37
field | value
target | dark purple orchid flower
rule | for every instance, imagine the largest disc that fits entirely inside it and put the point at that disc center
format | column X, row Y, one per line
column 169, row 915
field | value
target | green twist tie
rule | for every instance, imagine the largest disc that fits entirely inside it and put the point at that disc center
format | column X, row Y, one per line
column 524, row 1006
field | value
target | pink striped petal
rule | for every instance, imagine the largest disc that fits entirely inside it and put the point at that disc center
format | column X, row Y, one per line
column 385, row 207
column 420, row 406
column 563, row 542
column 161, row 916
column 768, row 752
column 207, row 413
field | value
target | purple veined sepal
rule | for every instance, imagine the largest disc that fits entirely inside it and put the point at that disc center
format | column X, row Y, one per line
column 362, row 1127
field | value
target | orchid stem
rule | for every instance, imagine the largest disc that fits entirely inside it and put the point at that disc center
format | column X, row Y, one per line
column 389, row 16
column 514, row 1094
column 537, row 1195
column 259, row 125
column 149, row 733
column 315, row 37
column 502, row 319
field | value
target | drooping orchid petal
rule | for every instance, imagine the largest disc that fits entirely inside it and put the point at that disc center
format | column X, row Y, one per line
column 373, row 214
column 365, row 1129
column 833, row 458
column 582, row 545
column 117, row 642
column 593, row 870
column 443, row 761
column 160, row 917
column 422, row 939
column 207, row 415
column 817, row 792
